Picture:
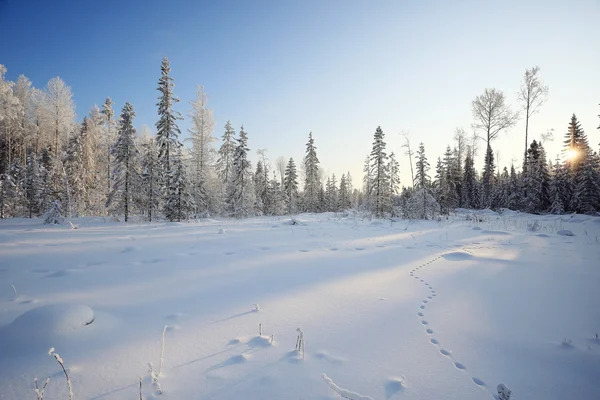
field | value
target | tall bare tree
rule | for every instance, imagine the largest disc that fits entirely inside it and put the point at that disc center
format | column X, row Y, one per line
column 492, row 115
column 409, row 153
column 532, row 95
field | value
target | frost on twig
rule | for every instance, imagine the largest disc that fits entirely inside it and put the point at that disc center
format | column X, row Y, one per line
column 15, row 294
column 154, row 377
column 39, row 392
column 58, row 359
column 345, row 394
column 162, row 351
column 300, row 342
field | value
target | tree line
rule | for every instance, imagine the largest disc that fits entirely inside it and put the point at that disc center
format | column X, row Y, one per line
column 103, row 166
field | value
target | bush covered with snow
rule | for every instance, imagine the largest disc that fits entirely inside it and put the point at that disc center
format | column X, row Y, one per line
column 54, row 215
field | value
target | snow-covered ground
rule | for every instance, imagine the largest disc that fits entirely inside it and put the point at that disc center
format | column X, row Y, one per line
column 426, row 310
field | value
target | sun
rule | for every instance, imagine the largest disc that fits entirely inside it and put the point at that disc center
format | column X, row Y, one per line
column 572, row 154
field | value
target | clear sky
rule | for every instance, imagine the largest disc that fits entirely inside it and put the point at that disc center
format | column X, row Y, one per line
column 336, row 68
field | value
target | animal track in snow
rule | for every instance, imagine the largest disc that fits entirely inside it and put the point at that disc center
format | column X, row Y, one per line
column 454, row 255
column 478, row 382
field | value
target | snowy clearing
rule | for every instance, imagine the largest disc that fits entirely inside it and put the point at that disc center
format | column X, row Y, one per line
column 390, row 310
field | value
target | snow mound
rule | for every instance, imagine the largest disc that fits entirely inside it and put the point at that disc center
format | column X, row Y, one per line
column 565, row 232
column 260, row 341
column 499, row 233
column 56, row 318
column 395, row 385
column 457, row 256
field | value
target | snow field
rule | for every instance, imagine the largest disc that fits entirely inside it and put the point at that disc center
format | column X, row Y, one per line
column 388, row 310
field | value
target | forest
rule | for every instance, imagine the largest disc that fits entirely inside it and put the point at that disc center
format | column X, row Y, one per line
column 53, row 166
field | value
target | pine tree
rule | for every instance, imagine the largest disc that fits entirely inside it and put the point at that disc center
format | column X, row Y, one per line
column 179, row 202
column 586, row 196
column 575, row 145
column 108, row 114
column 150, row 190
column 469, row 183
column 331, row 194
column 276, row 198
column 125, row 175
column 33, row 185
column 487, row 180
column 344, row 194
column 394, row 170
column 261, row 189
column 202, row 150
column 75, row 169
column 240, row 199
column 422, row 183
column 557, row 185
column 290, row 186
column 226, row 154
column 7, row 195
column 312, row 182
column 167, row 131
column 380, row 180
column 514, row 191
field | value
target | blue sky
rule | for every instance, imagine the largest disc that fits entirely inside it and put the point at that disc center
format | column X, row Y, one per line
column 336, row 68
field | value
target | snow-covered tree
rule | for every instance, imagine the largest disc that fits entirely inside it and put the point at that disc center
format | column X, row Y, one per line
column 203, row 153
column 109, row 138
column 150, row 188
column 380, row 177
column 240, row 199
column 428, row 206
column 33, row 185
column 61, row 110
column 421, row 205
column 487, row 178
column 344, row 194
column 179, row 201
column 276, row 198
column 54, row 214
column 290, row 186
column 7, row 195
column 167, row 130
column 394, row 172
column 125, row 175
column 226, row 155
column 312, row 182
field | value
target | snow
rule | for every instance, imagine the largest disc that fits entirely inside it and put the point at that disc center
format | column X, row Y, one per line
column 389, row 310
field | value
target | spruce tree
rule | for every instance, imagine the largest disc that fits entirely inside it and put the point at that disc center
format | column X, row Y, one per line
column 125, row 174
column 487, row 179
column 557, row 184
column 108, row 114
column 394, row 171
column 344, row 200
column 380, row 184
column 312, row 182
column 33, row 185
column 179, row 201
column 261, row 186
column 240, row 199
column 422, row 184
column 167, row 130
column 469, row 183
column 150, row 190
column 290, row 186
column 226, row 154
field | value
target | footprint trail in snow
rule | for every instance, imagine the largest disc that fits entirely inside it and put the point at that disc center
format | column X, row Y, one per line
column 456, row 255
